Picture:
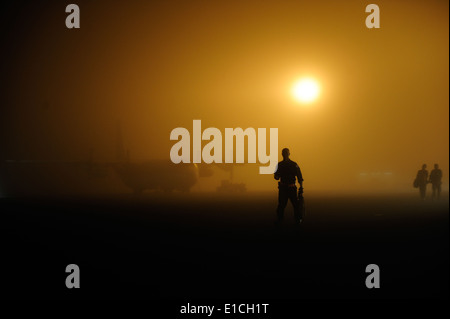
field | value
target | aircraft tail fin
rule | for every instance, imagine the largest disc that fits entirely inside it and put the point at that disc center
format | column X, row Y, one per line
column 121, row 155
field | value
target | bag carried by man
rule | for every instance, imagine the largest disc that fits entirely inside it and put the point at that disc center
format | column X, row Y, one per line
column 301, row 203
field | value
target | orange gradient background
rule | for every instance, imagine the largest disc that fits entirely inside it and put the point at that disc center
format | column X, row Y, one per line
column 154, row 66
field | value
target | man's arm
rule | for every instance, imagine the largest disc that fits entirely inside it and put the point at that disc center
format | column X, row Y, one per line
column 299, row 176
column 276, row 175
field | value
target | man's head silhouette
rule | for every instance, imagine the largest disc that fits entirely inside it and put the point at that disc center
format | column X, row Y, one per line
column 436, row 166
column 285, row 152
column 424, row 166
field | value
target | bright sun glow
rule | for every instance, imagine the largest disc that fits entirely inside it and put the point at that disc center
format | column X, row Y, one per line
column 306, row 90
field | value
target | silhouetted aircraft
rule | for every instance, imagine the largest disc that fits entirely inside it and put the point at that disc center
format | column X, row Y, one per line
column 25, row 177
column 155, row 174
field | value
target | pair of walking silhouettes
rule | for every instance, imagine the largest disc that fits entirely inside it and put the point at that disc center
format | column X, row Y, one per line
column 435, row 179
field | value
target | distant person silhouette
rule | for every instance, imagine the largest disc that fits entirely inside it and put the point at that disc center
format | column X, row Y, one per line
column 422, row 181
column 436, row 181
column 286, row 173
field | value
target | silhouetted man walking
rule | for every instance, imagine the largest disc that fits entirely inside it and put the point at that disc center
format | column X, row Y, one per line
column 422, row 180
column 436, row 181
column 286, row 172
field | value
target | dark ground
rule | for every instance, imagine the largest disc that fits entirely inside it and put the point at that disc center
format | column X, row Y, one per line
column 209, row 246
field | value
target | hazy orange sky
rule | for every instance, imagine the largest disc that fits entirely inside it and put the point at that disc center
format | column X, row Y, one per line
column 154, row 66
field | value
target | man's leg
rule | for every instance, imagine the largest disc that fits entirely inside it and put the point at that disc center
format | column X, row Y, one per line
column 433, row 193
column 295, row 203
column 422, row 191
column 282, row 201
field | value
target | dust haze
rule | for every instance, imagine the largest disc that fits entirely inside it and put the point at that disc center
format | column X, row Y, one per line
column 150, row 67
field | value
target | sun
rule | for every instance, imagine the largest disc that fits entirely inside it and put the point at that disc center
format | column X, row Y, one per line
column 306, row 90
